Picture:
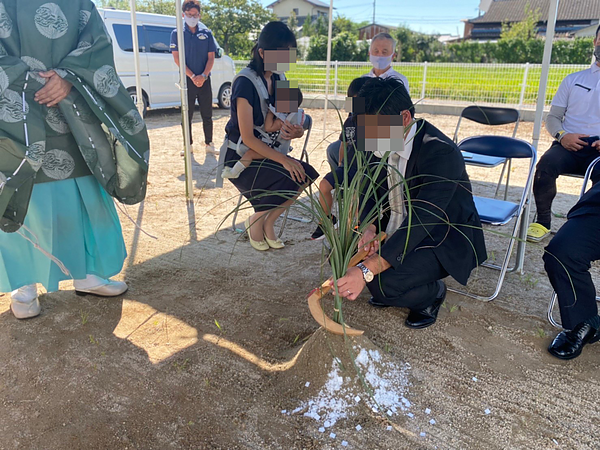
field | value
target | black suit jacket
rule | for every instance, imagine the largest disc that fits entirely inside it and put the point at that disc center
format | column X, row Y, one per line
column 588, row 205
column 444, row 217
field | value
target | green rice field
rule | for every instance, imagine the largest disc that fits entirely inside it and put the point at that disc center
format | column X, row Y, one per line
column 464, row 83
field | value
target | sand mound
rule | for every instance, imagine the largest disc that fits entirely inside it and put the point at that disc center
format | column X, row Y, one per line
column 336, row 379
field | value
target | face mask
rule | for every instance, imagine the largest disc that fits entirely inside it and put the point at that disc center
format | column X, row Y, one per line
column 191, row 21
column 381, row 62
column 597, row 52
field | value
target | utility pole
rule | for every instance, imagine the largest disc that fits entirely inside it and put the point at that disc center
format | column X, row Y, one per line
column 374, row 6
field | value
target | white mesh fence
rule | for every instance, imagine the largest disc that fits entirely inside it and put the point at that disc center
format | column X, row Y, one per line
column 508, row 84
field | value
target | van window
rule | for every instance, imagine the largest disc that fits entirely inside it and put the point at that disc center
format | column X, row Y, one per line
column 124, row 38
column 159, row 39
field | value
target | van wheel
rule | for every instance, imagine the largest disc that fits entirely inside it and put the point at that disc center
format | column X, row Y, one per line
column 133, row 94
column 225, row 96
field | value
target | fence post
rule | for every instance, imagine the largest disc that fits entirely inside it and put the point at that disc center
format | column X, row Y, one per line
column 523, row 86
column 424, row 80
column 335, row 80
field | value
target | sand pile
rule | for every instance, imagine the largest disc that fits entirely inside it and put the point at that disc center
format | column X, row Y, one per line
column 339, row 380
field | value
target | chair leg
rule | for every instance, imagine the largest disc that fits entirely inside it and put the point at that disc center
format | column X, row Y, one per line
column 500, row 179
column 507, row 179
column 283, row 222
column 502, row 268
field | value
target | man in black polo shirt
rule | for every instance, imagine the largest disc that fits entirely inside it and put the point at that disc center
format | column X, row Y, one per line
column 199, row 56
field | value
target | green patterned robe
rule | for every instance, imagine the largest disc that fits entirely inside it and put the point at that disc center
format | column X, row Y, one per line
column 96, row 129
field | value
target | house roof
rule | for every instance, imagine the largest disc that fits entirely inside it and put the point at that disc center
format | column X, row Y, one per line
column 513, row 10
column 312, row 2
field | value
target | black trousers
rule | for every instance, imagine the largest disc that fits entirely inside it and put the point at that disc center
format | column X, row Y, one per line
column 205, row 98
column 558, row 161
column 569, row 254
column 413, row 284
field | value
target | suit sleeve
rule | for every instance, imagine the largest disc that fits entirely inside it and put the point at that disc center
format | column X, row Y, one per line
column 440, row 168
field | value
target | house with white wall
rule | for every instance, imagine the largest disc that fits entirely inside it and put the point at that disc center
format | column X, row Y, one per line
column 303, row 9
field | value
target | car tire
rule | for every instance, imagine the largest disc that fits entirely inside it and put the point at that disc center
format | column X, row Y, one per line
column 224, row 99
column 133, row 95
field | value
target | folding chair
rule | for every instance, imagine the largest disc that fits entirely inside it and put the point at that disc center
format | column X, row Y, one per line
column 499, row 212
column 308, row 123
column 586, row 178
column 488, row 115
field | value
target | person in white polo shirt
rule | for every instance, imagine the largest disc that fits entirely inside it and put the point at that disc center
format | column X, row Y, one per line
column 574, row 122
column 381, row 54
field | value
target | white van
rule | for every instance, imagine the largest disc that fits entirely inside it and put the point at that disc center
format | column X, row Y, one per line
column 158, row 70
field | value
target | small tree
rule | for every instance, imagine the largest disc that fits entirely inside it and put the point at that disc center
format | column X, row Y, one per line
column 343, row 47
column 321, row 26
column 232, row 21
column 292, row 23
column 308, row 28
column 362, row 51
column 343, row 24
column 166, row 7
column 524, row 30
column 317, row 49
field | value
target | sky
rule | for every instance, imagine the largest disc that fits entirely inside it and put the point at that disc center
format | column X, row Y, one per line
column 428, row 16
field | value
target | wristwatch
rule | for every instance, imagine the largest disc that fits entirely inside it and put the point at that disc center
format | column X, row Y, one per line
column 367, row 274
column 203, row 76
column 558, row 136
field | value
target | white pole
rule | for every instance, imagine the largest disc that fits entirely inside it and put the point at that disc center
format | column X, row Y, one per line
column 523, row 86
column 328, row 67
column 335, row 80
column 424, row 81
column 541, row 99
column 136, row 59
column 539, row 113
column 189, row 185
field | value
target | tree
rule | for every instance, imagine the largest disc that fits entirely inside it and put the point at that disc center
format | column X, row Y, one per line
column 293, row 23
column 233, row 21
column 317, row 49
column 362, row 51
column 166, row 7
column 343, row 24
column 321, row 28
column 343, row 47
column 525, row 30
column 308, row 28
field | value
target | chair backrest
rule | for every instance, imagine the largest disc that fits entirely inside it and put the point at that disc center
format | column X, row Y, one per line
column 489, row 115
column 500, row 146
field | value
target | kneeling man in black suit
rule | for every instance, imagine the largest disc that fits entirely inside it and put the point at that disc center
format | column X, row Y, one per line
column 567, row 262
column 443, row 236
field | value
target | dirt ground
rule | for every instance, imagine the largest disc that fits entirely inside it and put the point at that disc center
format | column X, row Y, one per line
column 202, row 352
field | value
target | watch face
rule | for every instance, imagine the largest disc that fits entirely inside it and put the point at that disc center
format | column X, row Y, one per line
column 369, row 276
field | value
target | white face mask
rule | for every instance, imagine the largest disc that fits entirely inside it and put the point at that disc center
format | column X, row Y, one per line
column 381, row 62
column 191, row 21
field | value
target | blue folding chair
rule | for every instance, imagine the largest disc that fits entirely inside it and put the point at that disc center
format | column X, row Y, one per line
column 493, row 116
column 500, row 212
column 586, row 178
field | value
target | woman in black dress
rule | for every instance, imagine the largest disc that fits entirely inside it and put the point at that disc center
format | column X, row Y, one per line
column 271, row 184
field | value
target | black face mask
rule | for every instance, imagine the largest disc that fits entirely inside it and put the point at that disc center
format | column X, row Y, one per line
column 597, row 52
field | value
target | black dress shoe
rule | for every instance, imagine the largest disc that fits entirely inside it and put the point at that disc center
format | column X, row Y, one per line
column 377, row 304
column 569, row 344
column 426, row 317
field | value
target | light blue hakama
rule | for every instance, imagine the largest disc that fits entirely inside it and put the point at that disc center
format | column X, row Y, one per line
column 75, row 221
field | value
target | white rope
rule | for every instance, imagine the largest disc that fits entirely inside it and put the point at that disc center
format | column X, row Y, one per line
column 36, row 244
column 124, row 211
